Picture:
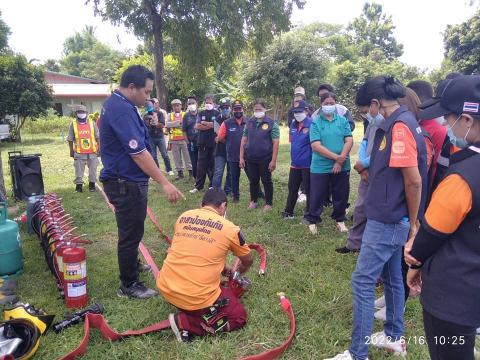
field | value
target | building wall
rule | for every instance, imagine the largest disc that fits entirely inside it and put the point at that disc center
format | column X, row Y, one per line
column 92, row 103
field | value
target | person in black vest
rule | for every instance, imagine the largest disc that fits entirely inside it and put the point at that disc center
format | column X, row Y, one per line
column 221, row 151
column 206, row 143
column 258, row 153
column 231, row 132
column 444, row 256
column 397, row 175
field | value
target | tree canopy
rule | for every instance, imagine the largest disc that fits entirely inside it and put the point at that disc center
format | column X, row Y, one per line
column 203, row 32
column 86, row 56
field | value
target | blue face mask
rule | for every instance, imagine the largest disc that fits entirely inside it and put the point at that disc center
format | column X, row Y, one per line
column 226, row 112
column 329, row 109
column 460, row 143
column 375, row 120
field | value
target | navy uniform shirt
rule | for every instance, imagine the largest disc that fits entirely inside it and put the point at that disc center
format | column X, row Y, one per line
column 122, row 133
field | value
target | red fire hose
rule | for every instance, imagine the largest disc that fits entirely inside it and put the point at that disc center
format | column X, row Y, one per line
column 97, row 321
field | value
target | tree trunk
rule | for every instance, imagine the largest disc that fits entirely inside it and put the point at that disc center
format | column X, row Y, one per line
column 157, row 24
column 3, row 191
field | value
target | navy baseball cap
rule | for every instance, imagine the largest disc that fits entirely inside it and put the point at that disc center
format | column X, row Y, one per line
column 302, row 106
column 455, row 96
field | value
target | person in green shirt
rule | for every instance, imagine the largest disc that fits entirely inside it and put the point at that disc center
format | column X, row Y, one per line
column 331, row 139
column 258, row 153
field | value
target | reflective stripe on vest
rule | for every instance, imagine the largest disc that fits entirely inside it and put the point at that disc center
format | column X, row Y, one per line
column 176, row 134
column 85, row 142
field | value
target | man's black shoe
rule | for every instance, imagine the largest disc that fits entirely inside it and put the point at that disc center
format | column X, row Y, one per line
column 91, row 186
column 136, row 291
column 345, row 250
column 79, row 188
column 180, row 175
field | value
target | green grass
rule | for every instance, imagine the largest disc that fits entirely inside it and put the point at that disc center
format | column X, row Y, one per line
column 305, row 267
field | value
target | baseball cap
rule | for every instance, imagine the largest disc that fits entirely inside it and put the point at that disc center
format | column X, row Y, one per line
column 176, row 101
column 302, row 106
column 459, row 95
column 299, row 90
column 237, row 104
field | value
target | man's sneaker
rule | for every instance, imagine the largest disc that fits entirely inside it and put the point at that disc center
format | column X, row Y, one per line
column 287, row 216
column 91, row 186
column 252, row 205
column 341, row 227
column 381, row 314
column 380, row 302
column 343, row 356
column 79, row 188
column 301, row 198
column 267, row 208
column 346, row 250
column 382, row 341
column 194, row 191
column 171, row 173
column 313, row 229
column 137, row 291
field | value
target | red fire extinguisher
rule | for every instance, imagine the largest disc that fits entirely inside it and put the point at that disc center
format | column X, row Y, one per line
column 75, row 277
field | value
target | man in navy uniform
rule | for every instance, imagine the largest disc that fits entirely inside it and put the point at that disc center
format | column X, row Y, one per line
column 127, row 167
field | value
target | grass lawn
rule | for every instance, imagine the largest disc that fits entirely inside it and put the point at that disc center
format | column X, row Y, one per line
column 305, row 267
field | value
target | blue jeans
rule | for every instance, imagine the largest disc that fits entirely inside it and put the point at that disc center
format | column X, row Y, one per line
column 220, row 162
column 160, row 144
column 380, row 255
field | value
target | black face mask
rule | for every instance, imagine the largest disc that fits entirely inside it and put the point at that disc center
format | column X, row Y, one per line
column 238, row 114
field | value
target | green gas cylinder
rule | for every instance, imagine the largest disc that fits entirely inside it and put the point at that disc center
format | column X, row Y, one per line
column 11, row 261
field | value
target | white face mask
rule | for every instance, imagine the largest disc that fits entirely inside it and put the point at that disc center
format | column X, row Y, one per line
column 192, row 107
column 208, row 106
column 82, row 116
column 329, row 109
column 259, row 114
column 300, row 116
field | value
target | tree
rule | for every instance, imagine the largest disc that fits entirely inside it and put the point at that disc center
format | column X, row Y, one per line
column 23, row 91
column 462, row 45
column 202, row 31
column 374, row 30
column 348, row 76
column 294, row 58
column 85, row 56
column 4, row 34
column 51, row 65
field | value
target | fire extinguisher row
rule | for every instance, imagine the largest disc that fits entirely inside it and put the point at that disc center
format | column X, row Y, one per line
column 60, row 242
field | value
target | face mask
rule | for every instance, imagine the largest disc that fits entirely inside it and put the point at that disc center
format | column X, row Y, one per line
column 192, row 107
column 208, row 106
column 259, row 114
column 329, row 109
column 375, row 121
column 82, row 116
column 440, row 120
column 238, row 114
column 460, row 143
column 300, row 116
column 226, row 112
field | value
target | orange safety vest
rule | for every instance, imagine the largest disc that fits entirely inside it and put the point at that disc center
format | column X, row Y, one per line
column 85, row 142
column 176, row 134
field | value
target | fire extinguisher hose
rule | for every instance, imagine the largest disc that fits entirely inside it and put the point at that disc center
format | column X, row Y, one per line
column 97, row 321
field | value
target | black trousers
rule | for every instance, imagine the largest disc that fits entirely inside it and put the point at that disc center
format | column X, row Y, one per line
column 130, row 201
column 205, row 166
column 255, row 172
column 319, row 186
column 296, row 179
column 448, row 341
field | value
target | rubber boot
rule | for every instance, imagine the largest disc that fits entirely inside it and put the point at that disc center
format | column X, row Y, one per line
column 79, row 188
column 91, row 186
